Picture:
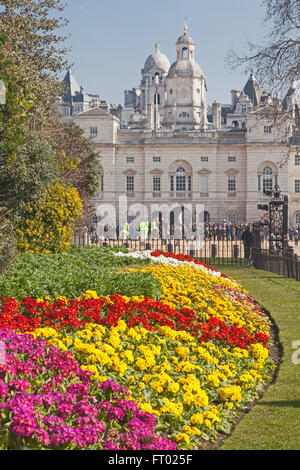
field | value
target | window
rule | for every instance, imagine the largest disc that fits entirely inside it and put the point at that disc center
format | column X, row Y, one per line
column 171, row 183
column 185, row 53
column 189, row 183
column 156, row 184
column 267, row 179
column 171, row 91
column 204, row 159
column 232, row 218
column 93, row 130
column 267, row 129
column 297, row 159
column 297, row 186
column 101, row 183
column 156, row 159
column 130, row 159
column 184, row 114
column 129, row 183
column 244, row 108
column 298, row 219
column 231, row 159
column 180, row 179
column 231, row 184
column 157, row 98
column 203, row 184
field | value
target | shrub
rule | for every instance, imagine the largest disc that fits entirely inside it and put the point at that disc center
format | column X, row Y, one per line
column 49, row 225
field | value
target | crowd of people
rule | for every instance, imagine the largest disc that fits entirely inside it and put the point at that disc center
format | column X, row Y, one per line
column 156, row 230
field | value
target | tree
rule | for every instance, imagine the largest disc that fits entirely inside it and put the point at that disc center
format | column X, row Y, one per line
column 276, row 63
column 25, row 179
column 36, row 51
column 79, row 166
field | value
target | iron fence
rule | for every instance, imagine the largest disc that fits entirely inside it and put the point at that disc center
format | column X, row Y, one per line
column 284, row 264
column 214, row 252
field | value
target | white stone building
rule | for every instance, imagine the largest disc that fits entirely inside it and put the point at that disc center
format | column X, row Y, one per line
column 165, row 146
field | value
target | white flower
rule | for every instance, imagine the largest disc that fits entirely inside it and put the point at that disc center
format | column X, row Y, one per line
column 170, row 262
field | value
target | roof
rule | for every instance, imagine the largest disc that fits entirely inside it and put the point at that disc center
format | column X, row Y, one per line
column 94, row 112
column 252, row 90
column 157, row 60
column 185, row 68
column 185, row 39
column 71, row 86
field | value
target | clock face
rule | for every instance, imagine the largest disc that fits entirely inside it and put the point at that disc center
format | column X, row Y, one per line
column 183, row 94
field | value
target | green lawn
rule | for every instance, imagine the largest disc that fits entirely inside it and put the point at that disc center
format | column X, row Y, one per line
column 274, row 422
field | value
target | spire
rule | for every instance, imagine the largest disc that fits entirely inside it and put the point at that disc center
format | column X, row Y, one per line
column 70, row 85
column 157, row 46
column 252, row 90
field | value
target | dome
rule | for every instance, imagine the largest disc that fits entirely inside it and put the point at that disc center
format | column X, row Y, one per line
column 185, row 39
column 157, row 60
column 185, row 68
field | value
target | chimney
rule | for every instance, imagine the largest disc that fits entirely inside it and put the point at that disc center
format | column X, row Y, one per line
column 216, row 115
column 150, row 115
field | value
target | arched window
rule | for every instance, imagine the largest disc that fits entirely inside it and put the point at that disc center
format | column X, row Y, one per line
column 180, row 179
column 267, row 176
column 184, row 114
column 235, row 124
column 185, row 53
column 231, row 218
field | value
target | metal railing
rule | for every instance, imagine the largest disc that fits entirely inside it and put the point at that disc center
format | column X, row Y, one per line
column 224, row 252
column 285, row 264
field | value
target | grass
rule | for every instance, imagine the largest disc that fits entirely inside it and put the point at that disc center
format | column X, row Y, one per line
column 274, row 421
column 81, row 269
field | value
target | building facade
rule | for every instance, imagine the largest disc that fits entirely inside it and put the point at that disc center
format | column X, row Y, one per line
column 167, row 147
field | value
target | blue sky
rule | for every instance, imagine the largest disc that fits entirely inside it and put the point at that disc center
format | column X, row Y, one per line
column 111, row 40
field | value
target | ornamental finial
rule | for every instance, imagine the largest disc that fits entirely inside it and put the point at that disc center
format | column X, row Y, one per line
column 185, row 26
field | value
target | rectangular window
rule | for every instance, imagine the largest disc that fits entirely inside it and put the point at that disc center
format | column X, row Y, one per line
column 297, row 159
column 93, row 130
column 171, row 183
column 189, row 183
column 101, row 183
column 204, row 159
column 156, row 184
column 203, row 184
column 231, row 185
column 244, row 109
column 130, row 159
column 231, row 159
column 267, row 129
column 180, row 183
column 258, row 183
column 129, row 183
column 297, row 186
column 156, row 159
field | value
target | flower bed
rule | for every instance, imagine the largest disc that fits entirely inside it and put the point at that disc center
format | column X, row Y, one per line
column 185, row 365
